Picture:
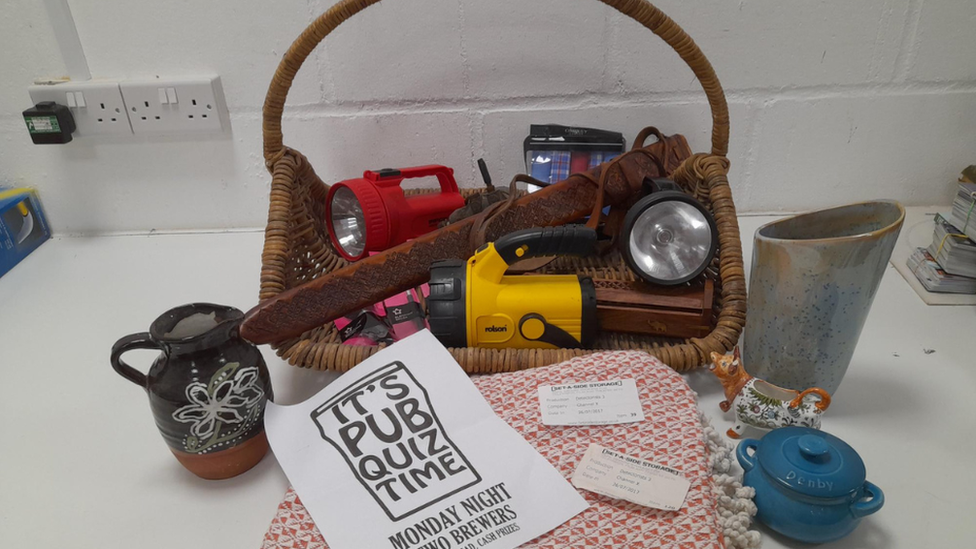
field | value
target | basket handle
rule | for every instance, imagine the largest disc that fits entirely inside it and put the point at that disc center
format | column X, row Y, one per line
column 641, row 11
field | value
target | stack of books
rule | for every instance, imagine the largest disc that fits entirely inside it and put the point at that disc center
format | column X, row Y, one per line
column 949, row 263
column 934, row 279
column 955, row 253
column 964, row 209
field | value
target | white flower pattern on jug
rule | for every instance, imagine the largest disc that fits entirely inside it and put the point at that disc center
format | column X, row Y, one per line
column 230, row 402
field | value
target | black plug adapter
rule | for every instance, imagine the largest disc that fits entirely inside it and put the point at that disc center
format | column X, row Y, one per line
column 49, row 123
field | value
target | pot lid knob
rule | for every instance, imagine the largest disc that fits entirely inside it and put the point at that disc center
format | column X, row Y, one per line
column 811, row 462
column 813, row 447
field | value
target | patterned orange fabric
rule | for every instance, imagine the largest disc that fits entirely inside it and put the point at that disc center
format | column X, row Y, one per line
column 670, row 435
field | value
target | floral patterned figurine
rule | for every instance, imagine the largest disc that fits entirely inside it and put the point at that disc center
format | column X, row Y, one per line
column 761, row 404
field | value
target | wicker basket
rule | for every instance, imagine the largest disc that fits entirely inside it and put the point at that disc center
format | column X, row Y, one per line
column 297, row 247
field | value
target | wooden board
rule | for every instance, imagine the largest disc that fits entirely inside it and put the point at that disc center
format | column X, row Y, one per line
column 638, row 308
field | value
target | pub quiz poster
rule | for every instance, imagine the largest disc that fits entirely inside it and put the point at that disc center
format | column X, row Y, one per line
column 403, row 452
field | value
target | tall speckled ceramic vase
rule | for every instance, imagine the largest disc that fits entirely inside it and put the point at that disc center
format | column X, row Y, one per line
column 814, row 277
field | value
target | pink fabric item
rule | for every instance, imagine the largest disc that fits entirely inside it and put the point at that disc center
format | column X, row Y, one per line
column 671, row 435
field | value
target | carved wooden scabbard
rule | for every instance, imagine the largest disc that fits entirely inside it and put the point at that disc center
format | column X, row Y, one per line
column 398, row 269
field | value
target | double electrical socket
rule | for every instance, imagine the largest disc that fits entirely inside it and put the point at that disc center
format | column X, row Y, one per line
column 150, row 106
column 174, row 105
column 97, row 106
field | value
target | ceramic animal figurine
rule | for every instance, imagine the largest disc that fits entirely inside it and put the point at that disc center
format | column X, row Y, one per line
column 761, row 404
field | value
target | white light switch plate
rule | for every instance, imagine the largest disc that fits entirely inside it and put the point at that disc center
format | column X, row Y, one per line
column 97, row 106
column 175, row 105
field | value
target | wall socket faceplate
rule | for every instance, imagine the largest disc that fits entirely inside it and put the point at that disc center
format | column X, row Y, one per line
column 175, row 105
column 97, row 106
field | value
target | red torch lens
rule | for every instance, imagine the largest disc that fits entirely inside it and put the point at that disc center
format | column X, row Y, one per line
column 372, row 214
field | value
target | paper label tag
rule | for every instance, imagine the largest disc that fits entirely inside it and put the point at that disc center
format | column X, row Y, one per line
column 591, row 403
column 43, row 124
column 403, row 313
column 616, row 475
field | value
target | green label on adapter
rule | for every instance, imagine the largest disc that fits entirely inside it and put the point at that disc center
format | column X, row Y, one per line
column 42, row 124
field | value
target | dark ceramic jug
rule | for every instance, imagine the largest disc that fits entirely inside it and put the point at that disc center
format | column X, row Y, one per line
column 207, row 390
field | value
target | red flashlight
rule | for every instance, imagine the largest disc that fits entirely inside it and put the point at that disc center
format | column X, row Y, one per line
column 372, row 214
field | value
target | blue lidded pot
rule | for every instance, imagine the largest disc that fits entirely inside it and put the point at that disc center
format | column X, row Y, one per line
column 810, row 485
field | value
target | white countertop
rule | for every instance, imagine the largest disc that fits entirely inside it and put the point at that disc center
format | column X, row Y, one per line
column 84, row 466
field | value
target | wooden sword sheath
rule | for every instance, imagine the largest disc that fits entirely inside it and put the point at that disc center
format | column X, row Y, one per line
column 398, row 269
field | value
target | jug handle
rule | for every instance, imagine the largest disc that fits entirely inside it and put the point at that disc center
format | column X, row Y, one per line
column 746, row 461
column 862, row 508
column 128, row 343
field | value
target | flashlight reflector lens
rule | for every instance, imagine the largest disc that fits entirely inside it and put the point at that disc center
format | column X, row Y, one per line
column 348, row 223
column 670, row 241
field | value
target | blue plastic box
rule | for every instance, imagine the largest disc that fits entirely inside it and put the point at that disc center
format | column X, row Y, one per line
column 23, row 226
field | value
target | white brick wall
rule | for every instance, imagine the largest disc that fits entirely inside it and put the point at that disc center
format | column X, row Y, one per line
column 946, row 46
column 831, row 101
column 765, row 44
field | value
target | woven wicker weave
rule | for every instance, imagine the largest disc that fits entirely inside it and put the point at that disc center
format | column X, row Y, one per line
column 297, row 247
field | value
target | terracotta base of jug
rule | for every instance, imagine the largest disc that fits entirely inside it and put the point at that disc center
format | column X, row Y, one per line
column 226, row 463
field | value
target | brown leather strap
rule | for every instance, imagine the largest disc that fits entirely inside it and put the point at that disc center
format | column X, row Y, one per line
column 642, row 136
column 601, row 180
column 615, row 219
column 483, row 220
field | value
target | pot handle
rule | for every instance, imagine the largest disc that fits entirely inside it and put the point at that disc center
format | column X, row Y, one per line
column 861, row 508
column 128, row 343
column 742, row 453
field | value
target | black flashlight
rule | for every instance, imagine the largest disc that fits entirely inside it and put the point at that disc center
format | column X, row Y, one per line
column 668, row 236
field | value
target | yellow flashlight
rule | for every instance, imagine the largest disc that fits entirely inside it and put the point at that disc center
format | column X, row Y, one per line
column 473, row 303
